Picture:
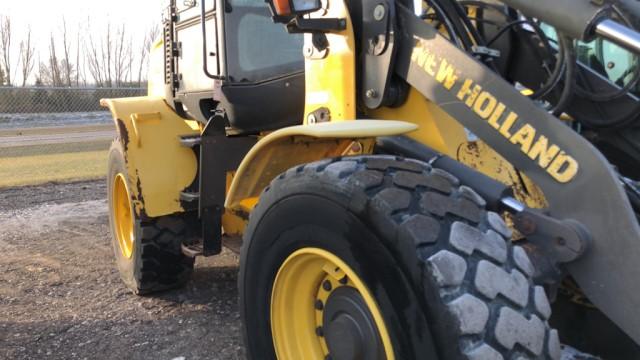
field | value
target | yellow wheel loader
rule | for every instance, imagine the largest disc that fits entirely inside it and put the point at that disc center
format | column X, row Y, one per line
column 431, row 179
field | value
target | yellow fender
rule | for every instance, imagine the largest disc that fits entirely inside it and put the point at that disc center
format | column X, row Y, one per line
column 292, row 146
column 159, row 167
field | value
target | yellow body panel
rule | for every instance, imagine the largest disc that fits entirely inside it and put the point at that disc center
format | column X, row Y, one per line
column 437, row 129
column 441, row 132
column 288, row 147
column 330, row 81
column 481, row 157
column 159, row 168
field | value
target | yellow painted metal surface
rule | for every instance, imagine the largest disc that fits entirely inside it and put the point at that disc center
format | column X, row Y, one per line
column 159, row 168
column 481, row 157
column 294, row 322
column 330, row 82
column 441, row 132
column 437, row 129
column 123, row 216
column 288, row 147
column 235, row 220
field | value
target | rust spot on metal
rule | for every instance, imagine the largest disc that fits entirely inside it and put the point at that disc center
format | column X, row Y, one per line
column 139, row 197
column 123, row 134
column 241, row 214
column 525, row 225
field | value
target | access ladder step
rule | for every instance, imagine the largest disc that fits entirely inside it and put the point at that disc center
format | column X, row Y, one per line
column 189, row 196
column 192, row 250
column 190, row 141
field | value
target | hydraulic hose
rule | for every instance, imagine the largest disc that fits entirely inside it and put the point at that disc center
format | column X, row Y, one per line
column 576, row 18
column 570, row 76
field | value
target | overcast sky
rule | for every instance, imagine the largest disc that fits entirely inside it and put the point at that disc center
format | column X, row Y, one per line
column 46, row 15
column 87, row 16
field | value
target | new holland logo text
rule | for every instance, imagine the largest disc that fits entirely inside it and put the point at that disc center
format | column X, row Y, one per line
column 556, row 162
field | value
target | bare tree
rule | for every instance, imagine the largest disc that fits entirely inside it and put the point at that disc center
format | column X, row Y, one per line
column 27, row 52
column 107, row 55
column 79, row 67
column 5, row 46
column 122, row 56
column 147, row 42
column 66, row 61
column 93, row 62
column 52, row 72
column 2, row 79
column 94, row 57
column 41, row 72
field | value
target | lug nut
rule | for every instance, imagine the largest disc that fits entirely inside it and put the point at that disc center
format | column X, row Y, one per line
column 326, row 285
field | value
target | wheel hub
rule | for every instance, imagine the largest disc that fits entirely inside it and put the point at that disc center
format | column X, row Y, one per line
column 339, row 321
column 349, row 328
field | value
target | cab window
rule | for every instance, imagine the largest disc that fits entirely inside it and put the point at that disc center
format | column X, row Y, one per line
column 257, row 48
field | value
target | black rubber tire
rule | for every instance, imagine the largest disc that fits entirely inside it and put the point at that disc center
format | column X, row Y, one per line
column 438, row 264
column 157, row 262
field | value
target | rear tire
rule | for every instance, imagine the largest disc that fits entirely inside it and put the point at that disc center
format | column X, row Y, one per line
column 148, row 251
column 439, row 267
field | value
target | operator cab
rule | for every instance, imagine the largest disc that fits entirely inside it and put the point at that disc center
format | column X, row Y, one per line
column 240, row 68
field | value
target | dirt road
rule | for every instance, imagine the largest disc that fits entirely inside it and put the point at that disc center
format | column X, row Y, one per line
column 61, row 297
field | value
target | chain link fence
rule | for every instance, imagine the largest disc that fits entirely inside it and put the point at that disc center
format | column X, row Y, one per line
column 55, row 134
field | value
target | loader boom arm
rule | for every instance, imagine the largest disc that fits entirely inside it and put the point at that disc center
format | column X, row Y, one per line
column 578, row 182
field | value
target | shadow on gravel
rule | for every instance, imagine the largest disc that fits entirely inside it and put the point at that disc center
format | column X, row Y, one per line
column 61, row 296
column 205, row 286
column 199, row 321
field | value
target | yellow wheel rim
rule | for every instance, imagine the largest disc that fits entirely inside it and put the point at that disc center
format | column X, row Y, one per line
column 122, row 216
column 311, row 283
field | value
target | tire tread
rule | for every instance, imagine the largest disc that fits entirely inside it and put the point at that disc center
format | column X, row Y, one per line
column 405, row 198
column 162, row 265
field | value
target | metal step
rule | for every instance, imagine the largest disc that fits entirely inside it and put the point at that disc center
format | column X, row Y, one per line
column 233, row 243
column 192, row 250
column 190, row 141
column 189, row 196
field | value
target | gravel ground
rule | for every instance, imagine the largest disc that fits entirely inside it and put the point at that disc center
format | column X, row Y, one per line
column 61, row 296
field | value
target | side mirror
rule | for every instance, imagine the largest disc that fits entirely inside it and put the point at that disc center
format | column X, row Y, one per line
column 284, row 10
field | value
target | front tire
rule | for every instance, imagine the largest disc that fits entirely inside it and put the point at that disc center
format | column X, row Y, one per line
column 147, row 250
column 414, row 247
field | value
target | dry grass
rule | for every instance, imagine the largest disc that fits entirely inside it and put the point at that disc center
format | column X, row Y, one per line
column 34, row 164
column 50, row 149
column 38, row 169
column 55, row 130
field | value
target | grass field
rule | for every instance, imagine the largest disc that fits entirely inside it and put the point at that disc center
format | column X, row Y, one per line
column 38, row 169
column 54, row 130
column 40, row 163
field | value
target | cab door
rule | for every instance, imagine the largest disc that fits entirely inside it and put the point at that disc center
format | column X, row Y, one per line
column 188, row 30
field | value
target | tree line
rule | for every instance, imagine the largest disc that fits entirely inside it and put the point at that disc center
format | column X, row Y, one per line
column 79, row 57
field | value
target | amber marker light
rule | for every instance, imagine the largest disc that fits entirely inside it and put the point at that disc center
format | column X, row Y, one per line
column 282, row 7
